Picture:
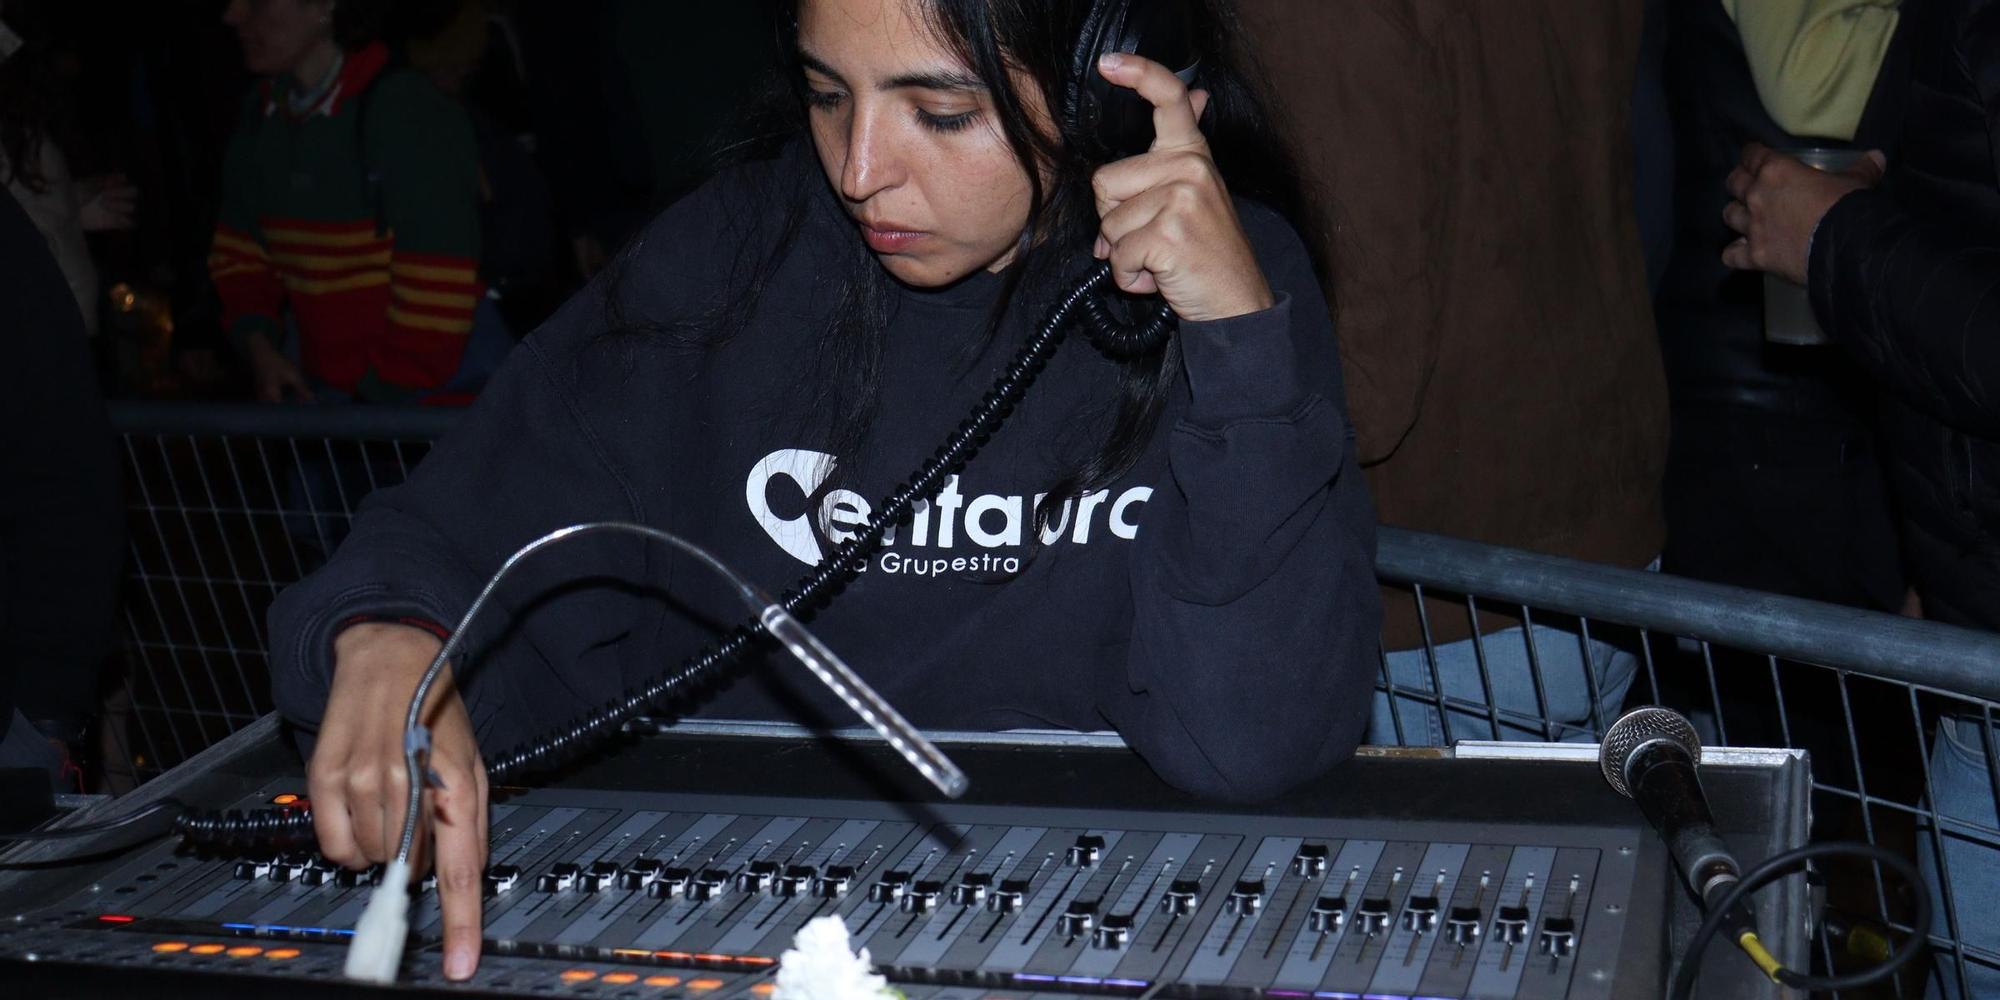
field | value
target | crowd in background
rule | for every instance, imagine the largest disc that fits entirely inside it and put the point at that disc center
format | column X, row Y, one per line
column 1549, row 249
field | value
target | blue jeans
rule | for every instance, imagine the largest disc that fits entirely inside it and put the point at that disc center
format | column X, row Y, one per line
column 1566, row 689
column 1962, row 795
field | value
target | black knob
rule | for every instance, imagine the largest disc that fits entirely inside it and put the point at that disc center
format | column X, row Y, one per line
column 757, row 877
column 971, row 889
column 599, row 876
column 1510, row 924
column 1245, row 899
column 248, row 870
column 1086, row 850
column 1420, row 914
column 1311, row 860
column 1327, row 914
column 889, row 888
column 796, row 881
column 558, row 878
column 1183, row 896
column 1008, row 897
column 922, row 896
column 1113, row 932
column 833, row 882
column 712, row 882
column 639, row 874
column 1077, row 919
column 1558, row 936
column 500, row 878
column 1462, row 925
column 669, row 883
column 1372, row 916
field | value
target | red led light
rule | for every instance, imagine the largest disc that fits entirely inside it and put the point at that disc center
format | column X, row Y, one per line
column 115, row 918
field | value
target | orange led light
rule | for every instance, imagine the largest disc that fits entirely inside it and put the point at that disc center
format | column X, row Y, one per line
column 673, row 956
column 755, row 960
column 245, row 951
column 704, row 985
column 205, row 949
column 285, row 799
column 663, row 980
column 578, row 975
column 632, row 952
column 764, row 989
column 116, row 918
column 620, row 978
column 280, row 954
column 168, row 947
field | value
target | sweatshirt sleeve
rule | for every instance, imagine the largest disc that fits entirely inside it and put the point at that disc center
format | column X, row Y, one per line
column 239, row 262
column 429, row 166
column 521, row 462
column 1257, row 619
column 1918, row 304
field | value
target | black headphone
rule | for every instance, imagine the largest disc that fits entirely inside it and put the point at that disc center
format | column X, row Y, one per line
column 1118, row 121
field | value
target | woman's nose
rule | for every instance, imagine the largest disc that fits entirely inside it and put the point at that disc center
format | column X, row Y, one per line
column 874, row 164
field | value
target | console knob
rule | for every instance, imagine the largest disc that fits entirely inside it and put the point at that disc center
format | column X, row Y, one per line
column 1086, row 850
column 1077, row 919
column 972, row 888
column 1113, row 932
column 1327, row 914
column 1310, row 861
column 1245, row 898
column 1183, row 896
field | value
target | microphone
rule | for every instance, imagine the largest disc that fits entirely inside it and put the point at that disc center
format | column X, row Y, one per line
column 1649, row 756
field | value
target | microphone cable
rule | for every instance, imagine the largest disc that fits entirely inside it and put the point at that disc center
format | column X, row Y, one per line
column 1777, row 866
column 242, row 829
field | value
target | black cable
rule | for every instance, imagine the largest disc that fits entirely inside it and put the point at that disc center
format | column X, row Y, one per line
column 241, row 828
column 92, row 829
column 1782, row 863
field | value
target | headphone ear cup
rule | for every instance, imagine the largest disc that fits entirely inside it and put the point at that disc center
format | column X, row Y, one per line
column 1108, row 121
column 1086, row 89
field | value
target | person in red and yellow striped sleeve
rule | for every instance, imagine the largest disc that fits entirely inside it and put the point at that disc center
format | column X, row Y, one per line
column 350, row 207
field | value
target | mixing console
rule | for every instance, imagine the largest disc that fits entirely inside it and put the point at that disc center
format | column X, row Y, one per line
column 595, row 892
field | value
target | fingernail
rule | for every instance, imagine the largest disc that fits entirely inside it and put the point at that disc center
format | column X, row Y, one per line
column 1100, row 249
column 458, row 964
column 1111, row 60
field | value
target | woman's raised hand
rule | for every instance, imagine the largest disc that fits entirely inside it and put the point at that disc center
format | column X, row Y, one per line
column 1168, row 224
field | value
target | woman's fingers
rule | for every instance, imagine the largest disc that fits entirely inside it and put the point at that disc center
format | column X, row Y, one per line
column 327, row 791
column 1175, row 123
column 456, row 811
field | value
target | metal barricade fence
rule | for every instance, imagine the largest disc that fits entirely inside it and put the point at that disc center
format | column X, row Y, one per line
column 230, row 503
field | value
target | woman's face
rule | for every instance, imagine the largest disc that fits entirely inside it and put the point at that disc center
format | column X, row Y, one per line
column 907, row 135
column 277, row 35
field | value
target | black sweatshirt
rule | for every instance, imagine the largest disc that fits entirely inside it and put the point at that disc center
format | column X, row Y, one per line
column 1216, row 605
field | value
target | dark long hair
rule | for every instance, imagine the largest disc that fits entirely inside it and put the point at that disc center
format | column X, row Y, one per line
column 1036, row 38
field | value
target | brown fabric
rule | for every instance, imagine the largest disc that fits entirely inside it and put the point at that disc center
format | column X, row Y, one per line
column 1474, row 165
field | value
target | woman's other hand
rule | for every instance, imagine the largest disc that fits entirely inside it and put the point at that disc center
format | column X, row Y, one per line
column 359, row 784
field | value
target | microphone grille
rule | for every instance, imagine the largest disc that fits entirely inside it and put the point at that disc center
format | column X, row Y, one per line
column 1636, row 729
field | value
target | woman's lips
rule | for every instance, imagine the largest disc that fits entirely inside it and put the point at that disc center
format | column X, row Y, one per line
column 888, row 239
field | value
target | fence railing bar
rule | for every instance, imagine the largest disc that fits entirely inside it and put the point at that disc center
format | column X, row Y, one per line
column 1945, row 656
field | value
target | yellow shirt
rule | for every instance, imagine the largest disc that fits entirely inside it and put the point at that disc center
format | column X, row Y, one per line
column 1814, row 61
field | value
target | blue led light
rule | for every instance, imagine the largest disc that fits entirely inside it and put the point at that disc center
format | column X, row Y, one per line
column 240, row 927
column 1140, row 983
column 1034, row 977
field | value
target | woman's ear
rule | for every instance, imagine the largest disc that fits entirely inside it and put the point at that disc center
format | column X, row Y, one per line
column 1199, row 100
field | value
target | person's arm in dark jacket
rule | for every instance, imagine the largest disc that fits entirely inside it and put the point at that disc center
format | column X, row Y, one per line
column 1256, row 615
column 1919, row 303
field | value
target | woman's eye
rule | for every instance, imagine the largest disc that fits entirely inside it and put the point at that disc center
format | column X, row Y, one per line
column 823, row 99
column 946, row 123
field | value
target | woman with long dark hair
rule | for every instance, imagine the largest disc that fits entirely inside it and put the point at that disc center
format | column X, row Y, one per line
column 1177, row 545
